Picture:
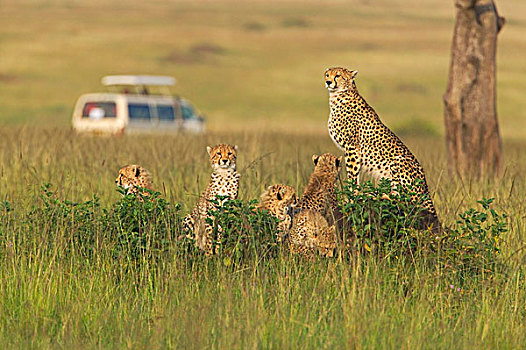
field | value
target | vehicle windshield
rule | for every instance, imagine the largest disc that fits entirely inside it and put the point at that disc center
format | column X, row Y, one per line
column 187, row 112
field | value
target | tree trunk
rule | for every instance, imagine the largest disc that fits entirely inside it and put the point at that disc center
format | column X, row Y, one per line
column 472, row 131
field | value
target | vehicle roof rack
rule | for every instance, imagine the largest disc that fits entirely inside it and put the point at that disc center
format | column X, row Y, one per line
column 151, row 80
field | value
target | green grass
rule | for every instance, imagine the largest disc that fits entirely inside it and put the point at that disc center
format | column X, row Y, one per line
column 52, row 298
column 255, row 68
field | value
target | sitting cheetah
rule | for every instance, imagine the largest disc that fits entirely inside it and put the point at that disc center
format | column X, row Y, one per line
column 133, row 176
column 319, row 195
column 307, row 232
column 279, row 200
column 317, row 212
column 369, row 145
column 224, row 182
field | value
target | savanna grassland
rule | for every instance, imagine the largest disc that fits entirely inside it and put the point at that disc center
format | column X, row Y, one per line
column 255, row 68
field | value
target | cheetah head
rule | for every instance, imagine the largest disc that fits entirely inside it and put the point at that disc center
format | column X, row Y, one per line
column 340, row 79
column 222, row 156
column 133, row 175
column 278, row 197
column 327, row 163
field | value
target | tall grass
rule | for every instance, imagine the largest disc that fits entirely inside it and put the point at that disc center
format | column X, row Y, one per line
column 68, row 279
column 54, row 294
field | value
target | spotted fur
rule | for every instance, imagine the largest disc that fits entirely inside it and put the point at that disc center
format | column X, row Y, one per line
column 279, row 200
column 224, row 182
column 370, row 146
column 315, row 216
column 319, row 194
column 311, row 234
column 131, row 177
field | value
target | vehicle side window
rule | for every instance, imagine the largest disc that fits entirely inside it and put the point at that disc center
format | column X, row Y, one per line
column 99, row 110
column 188, row 112
column 139, row 111
column 165, row 113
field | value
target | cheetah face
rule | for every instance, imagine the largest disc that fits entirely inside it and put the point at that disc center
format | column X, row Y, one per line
column 327, row 163
column 278, row 198
column 128, row 176
column 339, row 79
column 285, row 195
column 223, row 156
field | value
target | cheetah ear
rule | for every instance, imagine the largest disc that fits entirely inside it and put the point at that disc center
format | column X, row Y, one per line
column 353, row 73
column 338, row 162
column 280, row 196
column 235, row 148
column 315, row 159
column 208, row 149
column 137, row 171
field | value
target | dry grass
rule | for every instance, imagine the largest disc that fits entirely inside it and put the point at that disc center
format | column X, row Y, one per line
column 255, row 68
column 54, row 51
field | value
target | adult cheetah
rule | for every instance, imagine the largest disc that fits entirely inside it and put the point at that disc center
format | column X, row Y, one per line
column 369, row 145
column 224, row 182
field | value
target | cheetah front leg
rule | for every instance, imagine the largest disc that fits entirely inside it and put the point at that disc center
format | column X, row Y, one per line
column 353, row 164
column 219, row 240
column 188, row 226
column 208, row 241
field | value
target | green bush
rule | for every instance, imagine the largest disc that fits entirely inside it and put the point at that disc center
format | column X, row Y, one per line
column 147, row 228
column 390, row 228
column 378, row 219
column 247, row 233
column 75, row 226
column 143, row 226
column 134, row 228
column 472, row 246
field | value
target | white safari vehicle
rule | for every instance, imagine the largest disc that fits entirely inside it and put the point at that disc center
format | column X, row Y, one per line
column 135, row 103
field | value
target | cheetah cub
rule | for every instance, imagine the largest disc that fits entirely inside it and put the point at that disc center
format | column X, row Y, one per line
column 307, row 232
column 311, row 234
column 224, row 182
column 133, row 176
column 317, row 213
column 319, row 194
column 369, row 145
column 279, row 200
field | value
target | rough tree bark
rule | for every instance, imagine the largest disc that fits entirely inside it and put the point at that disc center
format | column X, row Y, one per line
column 472, row 130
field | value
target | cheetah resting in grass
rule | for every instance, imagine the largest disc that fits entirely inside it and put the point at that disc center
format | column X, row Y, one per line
column 131, row 177
column 279, row 200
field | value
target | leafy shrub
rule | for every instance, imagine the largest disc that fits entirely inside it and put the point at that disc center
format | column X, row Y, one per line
column 296, row 22
column 147, row 228
column 472, row 246
column 134, row 228
column 246, row 231
column 143, row 226
column 390, row 228
column 415, row 126
column 72, row 224
column 379, row 219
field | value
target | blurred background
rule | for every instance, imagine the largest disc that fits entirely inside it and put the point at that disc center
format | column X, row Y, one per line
column 250, row 63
